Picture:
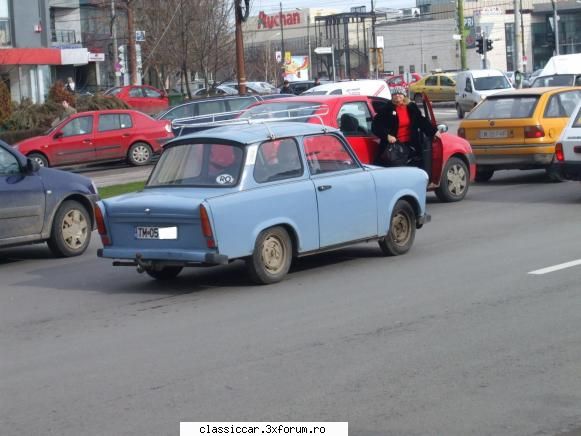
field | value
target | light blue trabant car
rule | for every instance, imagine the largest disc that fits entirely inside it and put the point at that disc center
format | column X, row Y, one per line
column 265, row 193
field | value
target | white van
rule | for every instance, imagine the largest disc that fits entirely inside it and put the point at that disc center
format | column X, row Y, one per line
column 472, row 86
column 561, row 70
column 373, row 88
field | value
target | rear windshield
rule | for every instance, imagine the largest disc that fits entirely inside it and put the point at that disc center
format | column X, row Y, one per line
column 113, row 91
column 493, row 82
column 208, row 165
column 289, row 109
column 555, row 80
column 316, row 92
column 506, row 107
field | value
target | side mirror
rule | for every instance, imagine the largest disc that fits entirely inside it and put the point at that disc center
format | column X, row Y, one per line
column 32, row 166
column 442, row 128
column 58, row 135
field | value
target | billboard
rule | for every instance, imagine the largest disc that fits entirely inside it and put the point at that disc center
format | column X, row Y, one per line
column 297, row 68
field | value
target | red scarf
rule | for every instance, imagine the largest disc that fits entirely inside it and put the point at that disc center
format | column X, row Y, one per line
column 403, row 130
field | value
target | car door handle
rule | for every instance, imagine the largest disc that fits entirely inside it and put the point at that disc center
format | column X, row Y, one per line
column 125, row 135
column 324, row 187
column 86, row 141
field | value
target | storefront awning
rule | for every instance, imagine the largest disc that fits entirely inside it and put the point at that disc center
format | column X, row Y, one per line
column 43, row 56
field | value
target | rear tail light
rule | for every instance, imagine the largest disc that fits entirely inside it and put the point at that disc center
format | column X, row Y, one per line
column 462, row 132
column 101, row 227
column 167, row 127
column 207, row 227
column 559, row 152
column 534, row 132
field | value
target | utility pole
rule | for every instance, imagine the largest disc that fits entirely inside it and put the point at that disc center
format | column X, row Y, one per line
column 484, row 47
column 555, row 26
column 517, row 38
column 240, row 68
column 462, row 36
column 131, row 44
column 283, row 68
column 374, row 39
column 114, row 59
column 311, row 76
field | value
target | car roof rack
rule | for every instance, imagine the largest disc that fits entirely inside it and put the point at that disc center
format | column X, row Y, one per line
column 263, row 118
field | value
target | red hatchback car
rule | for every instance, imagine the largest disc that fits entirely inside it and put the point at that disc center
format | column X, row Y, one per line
column 105, row 135
column 144, row 98
column 449, row 163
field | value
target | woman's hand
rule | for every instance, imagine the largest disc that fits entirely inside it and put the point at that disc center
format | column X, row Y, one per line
column 391, row 139
column 438, row 135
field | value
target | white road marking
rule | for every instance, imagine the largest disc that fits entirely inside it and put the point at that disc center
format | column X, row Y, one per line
column 554, row 268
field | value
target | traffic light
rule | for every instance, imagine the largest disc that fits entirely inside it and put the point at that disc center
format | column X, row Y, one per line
column 489, row 45
column 122, row 59
column 479, row 45
column 550, row 38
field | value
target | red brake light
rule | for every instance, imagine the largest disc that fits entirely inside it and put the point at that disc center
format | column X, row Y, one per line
column 559, row 152
column 206, row 227
column 168, row 127
column 462, row 132
column 101, row 228
column 534, row 132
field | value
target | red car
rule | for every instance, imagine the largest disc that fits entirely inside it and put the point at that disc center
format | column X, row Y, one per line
column 399, row 80
column 143, row 98
column 105, row 135
column 449, row 164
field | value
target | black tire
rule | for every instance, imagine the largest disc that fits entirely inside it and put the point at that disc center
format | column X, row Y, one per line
column 71, row 230
column 140, row 154
column 483, row 174
column 40, row 159
column 402, row 230
column 164, row 273
column 418, row 99
column 459, row 111
column 554, row 175
column 272, row 256
column 455, row 181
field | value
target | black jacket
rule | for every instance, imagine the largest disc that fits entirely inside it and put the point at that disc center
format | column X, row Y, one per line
column 386, row 122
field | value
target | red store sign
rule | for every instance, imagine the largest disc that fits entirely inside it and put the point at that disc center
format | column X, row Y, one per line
column 271, row 21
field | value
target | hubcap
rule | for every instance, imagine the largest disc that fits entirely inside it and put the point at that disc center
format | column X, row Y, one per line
column 400, row 228
column 273, row 254
column 74, row 229
column 141, row 154
column 39, row 161
column 456, row 179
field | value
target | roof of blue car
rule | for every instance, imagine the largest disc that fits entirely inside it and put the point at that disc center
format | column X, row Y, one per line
column 257, row 131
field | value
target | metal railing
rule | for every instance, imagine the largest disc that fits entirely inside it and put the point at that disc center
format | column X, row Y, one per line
column 64, row 36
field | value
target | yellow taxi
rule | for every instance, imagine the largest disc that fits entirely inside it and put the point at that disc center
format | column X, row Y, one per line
column 438, row 87
column 518, row 129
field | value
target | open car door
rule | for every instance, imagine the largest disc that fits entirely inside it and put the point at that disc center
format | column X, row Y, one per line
column 431, row 150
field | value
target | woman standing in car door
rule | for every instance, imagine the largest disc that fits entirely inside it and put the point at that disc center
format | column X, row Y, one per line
column 401, row 122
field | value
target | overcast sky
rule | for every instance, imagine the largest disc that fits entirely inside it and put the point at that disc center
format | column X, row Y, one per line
column 343, row 6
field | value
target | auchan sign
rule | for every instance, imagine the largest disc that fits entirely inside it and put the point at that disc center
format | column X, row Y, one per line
column 271, row 21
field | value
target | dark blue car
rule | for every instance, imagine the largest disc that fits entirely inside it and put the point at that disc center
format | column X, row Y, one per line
column 43, row 204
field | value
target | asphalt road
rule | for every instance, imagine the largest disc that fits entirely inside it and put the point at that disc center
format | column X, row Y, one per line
column 445, row 341
column 454, row 338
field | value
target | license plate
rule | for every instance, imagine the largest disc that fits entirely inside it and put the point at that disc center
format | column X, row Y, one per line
column 494, row 134
column 156, row 232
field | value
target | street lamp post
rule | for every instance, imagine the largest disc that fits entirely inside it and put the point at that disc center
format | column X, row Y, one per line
column 555, row 26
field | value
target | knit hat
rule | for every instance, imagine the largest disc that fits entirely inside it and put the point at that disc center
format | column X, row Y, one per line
column 398, row 90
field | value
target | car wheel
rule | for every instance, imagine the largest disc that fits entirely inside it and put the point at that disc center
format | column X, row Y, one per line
column 483, row 174
column 554, row 175
column 459, row 111
column 418, row 99
column 272, row 256
column 40, row 159
column 455, row 181
column 402, row 230
column 71, row 230
column 164, row 272
column 139, row 154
